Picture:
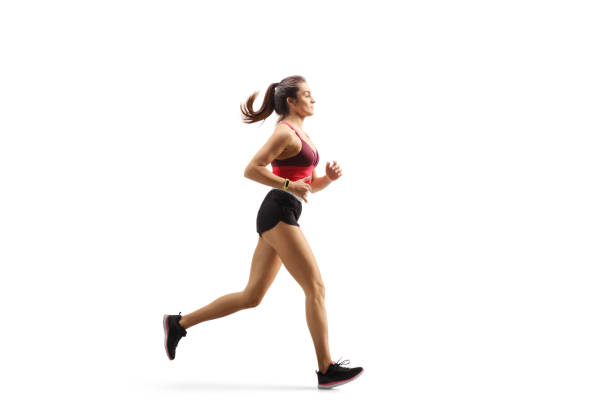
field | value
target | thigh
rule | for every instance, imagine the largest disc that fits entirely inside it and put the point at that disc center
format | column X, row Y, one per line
column 264, row 268
column 291, row 245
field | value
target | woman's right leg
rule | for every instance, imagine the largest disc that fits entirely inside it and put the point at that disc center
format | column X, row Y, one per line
column 291, row 245
column 264, row 268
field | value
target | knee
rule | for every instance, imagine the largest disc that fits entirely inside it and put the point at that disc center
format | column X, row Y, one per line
column 252, row 300
column 317, row 290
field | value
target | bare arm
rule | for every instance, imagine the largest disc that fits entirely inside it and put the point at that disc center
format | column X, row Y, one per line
column 319, row 183
column 256, row 169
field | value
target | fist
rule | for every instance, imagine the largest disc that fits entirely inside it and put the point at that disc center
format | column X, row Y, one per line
column 333, row 171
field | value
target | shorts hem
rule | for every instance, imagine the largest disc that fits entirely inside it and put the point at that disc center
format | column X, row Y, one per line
column 261, row 231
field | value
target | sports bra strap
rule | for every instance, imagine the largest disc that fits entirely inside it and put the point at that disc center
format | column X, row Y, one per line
column 289, row 124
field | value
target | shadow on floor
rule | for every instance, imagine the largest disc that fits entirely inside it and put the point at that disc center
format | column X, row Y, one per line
column 210, row 386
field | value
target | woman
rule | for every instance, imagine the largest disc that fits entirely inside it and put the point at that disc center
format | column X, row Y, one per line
column 294, row 158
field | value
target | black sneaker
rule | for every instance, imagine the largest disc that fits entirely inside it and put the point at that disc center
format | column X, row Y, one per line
column 337, row 375
column 173, row 333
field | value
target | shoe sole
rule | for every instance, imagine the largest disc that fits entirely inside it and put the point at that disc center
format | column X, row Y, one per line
column 337, row 383
column 166, row 335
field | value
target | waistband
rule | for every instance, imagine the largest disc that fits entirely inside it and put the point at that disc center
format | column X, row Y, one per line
column 288, row 192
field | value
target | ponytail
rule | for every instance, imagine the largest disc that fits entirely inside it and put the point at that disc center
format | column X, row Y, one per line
column 275, row 100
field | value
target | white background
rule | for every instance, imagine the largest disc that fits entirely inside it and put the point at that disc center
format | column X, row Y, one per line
column 465, row 250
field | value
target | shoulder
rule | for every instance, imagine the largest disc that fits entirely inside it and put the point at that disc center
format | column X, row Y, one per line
column 282, row 132
column 283, row 127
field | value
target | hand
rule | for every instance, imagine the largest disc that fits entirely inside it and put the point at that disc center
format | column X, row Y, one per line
column 300, row 188
column 333, row 171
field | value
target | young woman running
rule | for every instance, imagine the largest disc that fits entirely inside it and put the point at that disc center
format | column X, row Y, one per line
column 281, row 241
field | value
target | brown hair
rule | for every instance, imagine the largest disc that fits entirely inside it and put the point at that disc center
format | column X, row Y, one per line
column 275, row 100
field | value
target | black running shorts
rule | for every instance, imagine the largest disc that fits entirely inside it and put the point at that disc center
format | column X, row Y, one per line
column 278, row 205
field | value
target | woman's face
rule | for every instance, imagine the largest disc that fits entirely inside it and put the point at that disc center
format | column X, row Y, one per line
column 304, row 106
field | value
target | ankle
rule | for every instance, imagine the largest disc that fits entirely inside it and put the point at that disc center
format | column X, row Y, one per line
column 325, row 368
column 182, row 323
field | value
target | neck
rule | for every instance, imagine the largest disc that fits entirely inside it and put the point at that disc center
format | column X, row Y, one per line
column 296, row 121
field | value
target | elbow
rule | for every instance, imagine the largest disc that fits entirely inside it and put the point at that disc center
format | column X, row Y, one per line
column 251, row 170
column 247, row 171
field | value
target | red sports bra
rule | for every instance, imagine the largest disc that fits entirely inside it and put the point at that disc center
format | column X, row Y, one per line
column 299, row 166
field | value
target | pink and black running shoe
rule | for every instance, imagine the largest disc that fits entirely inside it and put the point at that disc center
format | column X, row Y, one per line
column 173, row 332
column 337, row 375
